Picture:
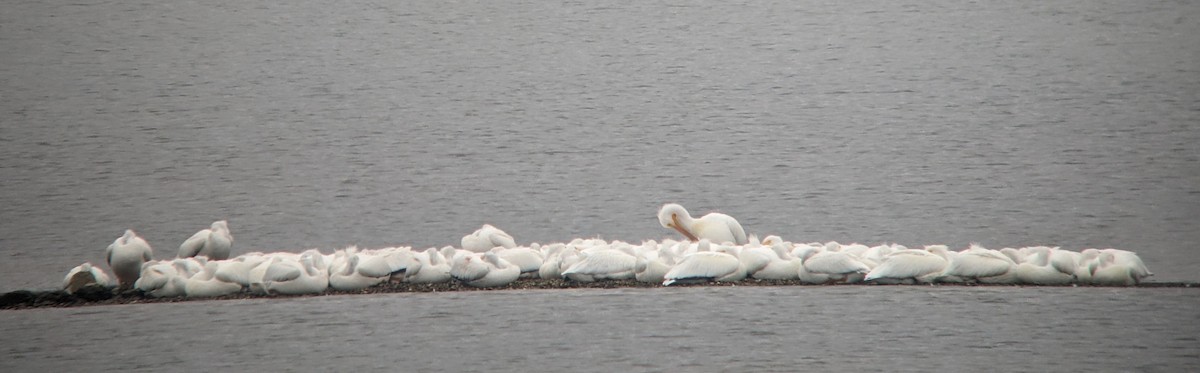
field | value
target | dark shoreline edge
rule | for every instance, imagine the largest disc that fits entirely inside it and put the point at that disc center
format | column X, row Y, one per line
column 97, row 296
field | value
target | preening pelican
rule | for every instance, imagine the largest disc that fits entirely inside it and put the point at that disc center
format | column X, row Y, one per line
column 125, row 257
column 715, row 226
column 215, row 242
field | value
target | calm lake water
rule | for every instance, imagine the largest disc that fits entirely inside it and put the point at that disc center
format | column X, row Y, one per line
column 316, row 124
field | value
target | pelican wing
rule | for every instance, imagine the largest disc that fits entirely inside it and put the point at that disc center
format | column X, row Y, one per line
column 739, row 233
column 373, row 266
column 108, row 251
column 602, row 262
column 281, row 271
column 469, row 268
column 502, row 239
column 834, row 262
column 703, row 265
column 981, row 264
column 908, row 264
column 192, row 246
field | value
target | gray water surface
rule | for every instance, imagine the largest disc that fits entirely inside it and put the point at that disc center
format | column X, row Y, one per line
column 322, row 125
column 784, row 329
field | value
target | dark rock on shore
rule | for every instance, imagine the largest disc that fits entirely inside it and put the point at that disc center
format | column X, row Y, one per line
column 96, row 295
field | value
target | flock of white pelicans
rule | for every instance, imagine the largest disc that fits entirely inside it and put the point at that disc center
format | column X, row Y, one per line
column 716, row 248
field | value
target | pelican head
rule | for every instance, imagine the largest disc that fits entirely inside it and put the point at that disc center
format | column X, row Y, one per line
column 674, row 216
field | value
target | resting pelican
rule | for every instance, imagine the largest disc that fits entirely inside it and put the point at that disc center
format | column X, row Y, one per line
column 653, row 264
column 1107, row 270
column 1042, row 270
column 602, row 264
column 705, row 266
column 769, row 262
column 291, row 277
column 487, row 238
column 434, row 268
column 83, row 275
column 391, row 262
column 161, row 279
column 1130, row 259
column 482, row 271
column 902, row 266
column 976, row 264
column 839, row 266
column 525, row 258
column 214, row 242
column 205, row 283
column 237, row 270
column 715, row 226
column 125, row 257
column 345, row 275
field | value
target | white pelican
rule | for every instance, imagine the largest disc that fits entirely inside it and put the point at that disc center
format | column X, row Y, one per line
column 1130, row 259
column 1109, row 272
column 390, row 262
column 652, row 265
column 434, row 268
column 902, row 266
column 83, row 275
column 345, row 276
column 290, row 277
column 188, row 267
column 160, row 279
column 602, row 264
column 487, row 238
column 483, row 271
column 772, row 262
column 977, row 264
column 551, row 267
column 525, row 258
column 237, row 270
column 838, row 266
column 715, row 226
column 125, row 257
column 1040, row 270
column 205, row 284
column 705, row 266
column 214, row 242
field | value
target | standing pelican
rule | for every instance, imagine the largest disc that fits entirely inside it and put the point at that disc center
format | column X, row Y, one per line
column 715, row 226
column 125, row 257
column 214, row 242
